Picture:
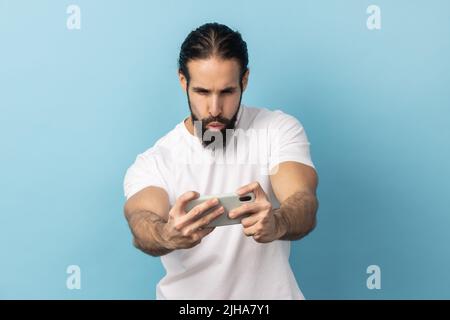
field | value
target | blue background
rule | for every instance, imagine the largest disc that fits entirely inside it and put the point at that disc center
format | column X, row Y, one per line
column 77, row 106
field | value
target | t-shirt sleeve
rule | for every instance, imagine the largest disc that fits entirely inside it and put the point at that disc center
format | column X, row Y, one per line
column 147, row 170
column 288, row 141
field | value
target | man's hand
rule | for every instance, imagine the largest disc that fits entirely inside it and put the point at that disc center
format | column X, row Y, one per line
column 262, row 224
column 184, row 230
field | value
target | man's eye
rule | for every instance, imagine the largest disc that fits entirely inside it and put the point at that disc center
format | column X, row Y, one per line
column 203, row 93
column 227, row 92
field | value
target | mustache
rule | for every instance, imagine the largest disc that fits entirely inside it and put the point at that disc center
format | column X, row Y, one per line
column 219, row 119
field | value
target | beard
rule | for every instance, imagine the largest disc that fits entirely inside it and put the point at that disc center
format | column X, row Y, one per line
column 208, row 137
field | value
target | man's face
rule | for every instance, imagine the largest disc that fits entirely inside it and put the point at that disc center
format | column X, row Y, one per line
column 214, row 95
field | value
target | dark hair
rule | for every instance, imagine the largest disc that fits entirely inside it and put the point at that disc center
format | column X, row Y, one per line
column 213, row 39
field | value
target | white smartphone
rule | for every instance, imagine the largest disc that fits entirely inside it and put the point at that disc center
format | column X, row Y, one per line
column 229, row 201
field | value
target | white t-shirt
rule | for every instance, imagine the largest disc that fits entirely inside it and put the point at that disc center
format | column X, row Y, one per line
column 226, row 264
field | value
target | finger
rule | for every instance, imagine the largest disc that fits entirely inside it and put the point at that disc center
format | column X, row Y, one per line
column 204, row 232
column 250, row 231
column 254, row 187
column 197, row 237
column 182, row 200
column 250, row 221
column 198, row 210
column 204, row 221
column 247, row 208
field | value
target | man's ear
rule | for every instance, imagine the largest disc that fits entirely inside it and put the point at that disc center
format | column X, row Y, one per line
column 245, row 80
column 183, row 80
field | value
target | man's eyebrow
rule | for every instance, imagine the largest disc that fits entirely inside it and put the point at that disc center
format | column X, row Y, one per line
column 200, row 89
column 229, row 88
column 226, row 89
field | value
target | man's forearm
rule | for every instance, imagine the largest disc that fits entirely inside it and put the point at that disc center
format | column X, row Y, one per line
column 297, row 215
column 146, row 227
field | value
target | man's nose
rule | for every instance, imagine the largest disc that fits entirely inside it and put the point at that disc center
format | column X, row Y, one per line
column 215, row 107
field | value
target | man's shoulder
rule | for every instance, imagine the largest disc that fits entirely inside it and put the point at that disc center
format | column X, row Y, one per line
column 164, row 145
column 265, row 117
